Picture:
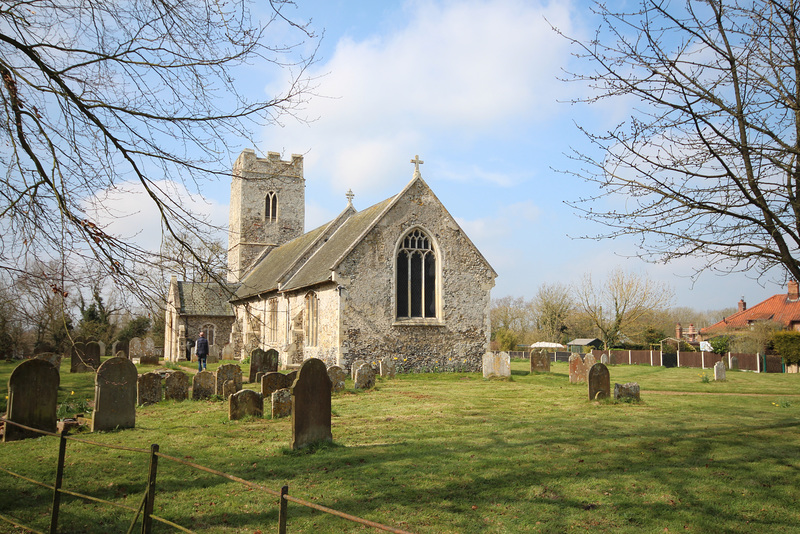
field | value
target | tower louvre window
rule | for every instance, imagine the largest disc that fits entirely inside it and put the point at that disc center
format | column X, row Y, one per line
column 271, row 207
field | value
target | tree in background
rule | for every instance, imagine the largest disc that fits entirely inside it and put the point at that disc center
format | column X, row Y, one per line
column 552, row 307
column 787, row 344
column 709, row 162
column 511, row 321
column 757, row 339
column 136, row 327
column 615, row 306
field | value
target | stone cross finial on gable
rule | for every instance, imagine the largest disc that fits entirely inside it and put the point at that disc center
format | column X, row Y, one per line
column 416, row 161
column 349, row 196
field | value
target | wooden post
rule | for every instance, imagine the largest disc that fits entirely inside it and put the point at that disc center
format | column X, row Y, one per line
column 62, row 452
column 283, row 509
column 147, row 521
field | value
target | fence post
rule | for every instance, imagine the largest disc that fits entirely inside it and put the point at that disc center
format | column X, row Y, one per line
column 147, row 521
column 62, row 452
column 283, row 510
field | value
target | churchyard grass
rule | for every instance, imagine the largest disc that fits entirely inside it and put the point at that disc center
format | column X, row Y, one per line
column 453, row 452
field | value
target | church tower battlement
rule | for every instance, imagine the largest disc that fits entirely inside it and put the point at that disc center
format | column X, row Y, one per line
column 267, row 208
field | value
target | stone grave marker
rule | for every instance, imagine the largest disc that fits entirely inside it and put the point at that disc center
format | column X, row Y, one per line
column 281, row 403
column 229, row 371
column 213, row 354
column 149, row 356
column 204, row 384
column 604, row 359
column 272, row 382
column 91, row 355
column 629, row 390
column 365, row 377
column 719, row 371
column 354, row 367
column 338, row 377
column 577, row 371
column 78, row 362
column 32, row 399
column 259, row 376
column 115, row 395
column 176, row 386
column 388, row 367
column 148, row 389
column 51, row 357
column 228, row 389
column 311, row 404
column 588, row 361
column 496, row 365
column 599, row 382
column 135, row 348
column 227, row 352
column 734, row 362
column 243, row 403
column 257, row 363
column 540, row 362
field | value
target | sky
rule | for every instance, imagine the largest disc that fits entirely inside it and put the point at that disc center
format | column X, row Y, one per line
column 473, row 88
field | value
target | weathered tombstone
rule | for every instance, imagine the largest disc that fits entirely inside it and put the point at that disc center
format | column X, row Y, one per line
column 148, row 389
column 604, row 359
column 272, row 382
column 577, row 371
column 388, row 368
column 719, row 371
column 338, row 377
column 78, row 362
column 91, row 355
column 213, row 354
column 228, row 389
column 281, row 403
column 32, row 399
column 102, row 346
column 204, row 384
column 629, row 390
column 588, row 362
column 121, row 354
column 258, row 359
column 291, row 377
column 365, row 377
column 734, row 362
column 51, row 357
column 354, row 367
column 114, row 348
column 272, row 361
column 599, row 382
column 229, row 371
column 311, row 405
column 227, row 352
column 114, row 395
column 540, row 363
column 243, row 403
column 135, row 348
column 259, row 376
column 176, row 386
column 149, row 356
column 496, row 364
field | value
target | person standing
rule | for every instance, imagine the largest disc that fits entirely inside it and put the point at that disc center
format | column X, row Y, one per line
column 201, row 350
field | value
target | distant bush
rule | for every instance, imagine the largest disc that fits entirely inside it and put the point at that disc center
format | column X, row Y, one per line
column 787, row 344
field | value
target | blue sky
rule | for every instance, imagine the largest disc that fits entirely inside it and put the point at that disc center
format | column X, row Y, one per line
column 472, row 87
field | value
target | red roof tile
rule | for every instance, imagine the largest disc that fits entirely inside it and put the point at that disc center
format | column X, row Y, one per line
column 777, row 308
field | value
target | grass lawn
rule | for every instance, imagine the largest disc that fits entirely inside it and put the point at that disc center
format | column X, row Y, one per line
column 439, row 453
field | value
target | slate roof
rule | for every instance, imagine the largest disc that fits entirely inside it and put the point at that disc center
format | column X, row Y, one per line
column 779, row 308
column 201, row 298
column 584, row 341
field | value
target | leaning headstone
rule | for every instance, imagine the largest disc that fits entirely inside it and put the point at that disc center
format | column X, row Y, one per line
column 176, row 386
column 365, row 377
column 258, row 360
column 719, row 371
column 540, row 363
column 228, row 389
column 604, row 359
column 338, row 377
column 148, row 389
column 281, row 403
column 32, row 399
column 577, row 371
column 388, row 368
column 599, row 382
column 354, row 367
column 115, row 395
column 496, row 364
column 51, row 357
column 229, row 371
column 272, row 382
column 629, row 390
column 243, row 403
column 135, row 349
column 204, row 385
column 311, row 405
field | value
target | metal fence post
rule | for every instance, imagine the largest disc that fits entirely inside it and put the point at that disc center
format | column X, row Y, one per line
column 283, row 509
column 62, row 452
column 147, row 521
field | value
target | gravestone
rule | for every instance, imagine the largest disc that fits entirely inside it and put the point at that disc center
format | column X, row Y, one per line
column 121, row 354
column 227, row 352
column 604, row 359
column 365, row 377
column 588, row 362
column 32, row 399
column 78, row 362
column 577, row 371
column 243, row 403
column 91, row 355
column 51, row 357
column 149, row 356
column 281, row 403
column 114, row 395
column 135, row 348
column 291, row 377
column 114, row 348
column 204, row 384
column 176, row 386
column 734, row 362
column 311, row 404
column 228, row 389
column 354, row 367
column 102, row 346
column 257, row 363
column 540, row 362
column 148, row 389
column 496, row 364
column 629, row 390
column 338, row 377
column 387, row 367
column 259, row 376
column 719, row 371
column 213, row 354
column 272, row 382
column 599, row 382
column 229, row 371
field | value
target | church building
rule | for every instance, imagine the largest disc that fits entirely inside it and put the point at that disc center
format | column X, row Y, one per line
column 399, row 279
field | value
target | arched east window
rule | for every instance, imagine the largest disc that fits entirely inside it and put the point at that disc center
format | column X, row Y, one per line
column 416, row 277
column 208, row 329
column 271, row 207
column 312, row 320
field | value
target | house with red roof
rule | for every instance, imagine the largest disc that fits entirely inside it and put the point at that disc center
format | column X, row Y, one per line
column 783, row 309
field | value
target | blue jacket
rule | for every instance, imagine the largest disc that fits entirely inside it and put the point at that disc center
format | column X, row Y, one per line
column 201, row 349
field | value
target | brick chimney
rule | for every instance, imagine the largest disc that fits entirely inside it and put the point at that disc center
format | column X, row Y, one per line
column 742, row 304
column 678, row 331
column 692, row 333
column 794, row 291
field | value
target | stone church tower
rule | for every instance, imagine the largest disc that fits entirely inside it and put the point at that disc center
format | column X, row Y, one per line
column 267, row 208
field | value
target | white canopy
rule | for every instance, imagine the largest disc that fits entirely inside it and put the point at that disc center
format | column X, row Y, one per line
column 546, row 345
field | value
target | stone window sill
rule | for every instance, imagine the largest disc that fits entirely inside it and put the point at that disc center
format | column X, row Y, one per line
column 418, row 321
